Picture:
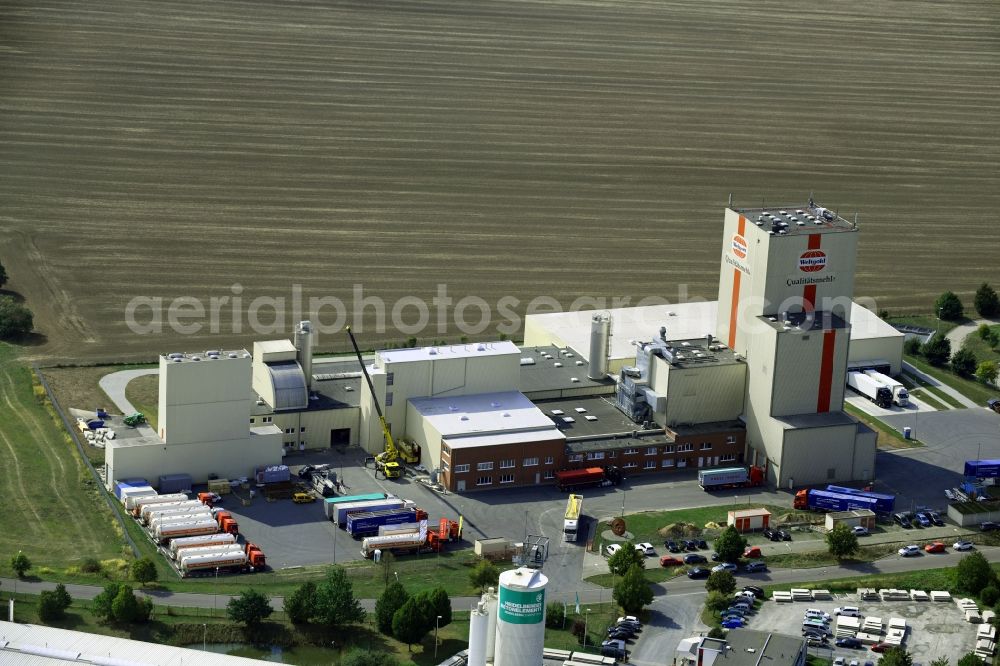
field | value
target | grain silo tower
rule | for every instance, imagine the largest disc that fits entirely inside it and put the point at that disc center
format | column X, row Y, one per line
column 521, row 618
column 303, row 350
column 600, row 339
column 479, row 623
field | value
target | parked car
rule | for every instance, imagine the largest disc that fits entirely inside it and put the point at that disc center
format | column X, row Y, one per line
column 646, row 549
column 672, row 546
column 784, row 535
column 815, row 612
column 613, row 548
column 725, row 566
column 622, row 628
column 757, row 592
column 691, row 545
column 701, row 544
column 854, row 662
column 936, row 547
column 732, row 623
column 752, row 553
column 816, row 629
column 880, row 647
column 963, row 545
column 614, row 648
column 839, row 661
column 620, row 634
column 694, row 558
column 988, row 526
column 755, row 567
column 815, row 641
column 848, row 642
column 923, row 519
column 630, row 619
column 814, row 635
column 860, row 530
column 715, row 556
column 848, row 611
column 935, row 518
column 902, row 519
column 909, row 551
column 670, row 561
column 698, row 572
column 772, row 534
column 994, row 404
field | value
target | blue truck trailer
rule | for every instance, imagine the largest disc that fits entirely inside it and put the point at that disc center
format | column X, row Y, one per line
column 344, row 510
column 330, row 503
column 885, row 503
column 824, row 500
column 982, row 469
column 366, row 523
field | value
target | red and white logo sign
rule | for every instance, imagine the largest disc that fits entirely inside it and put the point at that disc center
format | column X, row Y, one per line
column 812, row 261
column 739, row 246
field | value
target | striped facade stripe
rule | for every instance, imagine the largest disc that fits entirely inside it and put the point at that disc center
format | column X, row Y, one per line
column 826, row 370
column 734, row 305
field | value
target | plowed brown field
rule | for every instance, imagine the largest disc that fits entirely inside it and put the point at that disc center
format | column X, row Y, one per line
column 522, row 148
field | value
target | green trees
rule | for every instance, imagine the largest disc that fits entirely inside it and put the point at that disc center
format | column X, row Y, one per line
column 948, row 306
column 973, row 573
column 986, row 302
column 117, row 603
column 988, row 335
column 970, row 659
column 143, row 571
column 842, row 541
column 626, row 558
column 300, row 603
column 52, row 604
column 896, row 656
column 440, row 604
column 963, row 362
column 3, row 276
column 730, row 545
column 986, row 372
column 390, row 601
column 717, row 601
column 632, row 592
column 555, row 615
column 416, row 616
column 937, row 350
column 334, row 604
column 16, row 321
column 20, row 564
column 721, row 581
column 990, row 594
column 912, row 347
column 484, row 574
column 358, row 657
column 410, row 623
column 250, row 608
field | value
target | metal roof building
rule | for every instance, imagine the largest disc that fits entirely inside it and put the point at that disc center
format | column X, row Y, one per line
column 33, row 645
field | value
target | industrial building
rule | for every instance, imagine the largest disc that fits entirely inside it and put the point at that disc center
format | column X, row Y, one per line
column 743, row 647
column 757, row 377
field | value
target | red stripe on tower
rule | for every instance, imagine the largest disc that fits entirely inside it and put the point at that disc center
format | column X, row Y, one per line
column 734, row 304
column 826, row 370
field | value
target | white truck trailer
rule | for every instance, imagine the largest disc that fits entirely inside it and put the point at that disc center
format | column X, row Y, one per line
column 900, row 395
column 185, row 529
column 227, row 561
column 149, row 512
column 135, row 504
column 227, row 549
column 870, row 388
column 410, row 541
column 220, row 539
column 180, row 517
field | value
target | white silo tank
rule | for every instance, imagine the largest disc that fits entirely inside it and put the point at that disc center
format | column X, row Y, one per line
column 303, row 347
column 600, row 340
column 479, row 624
column 521, row 618
column 491, row 631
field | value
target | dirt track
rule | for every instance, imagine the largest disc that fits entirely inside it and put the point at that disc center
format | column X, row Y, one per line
column 503, row 148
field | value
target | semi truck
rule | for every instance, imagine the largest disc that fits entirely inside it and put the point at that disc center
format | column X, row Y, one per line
column 570, row 479
column 366, row 523
column 900, row 396
column 220, row 539
column 150, row 510
column 183, row 516
column 343, row 510
column 228, row 562
column 885, row 503
column 217, row 549
column 824, row 500
column 413, row 542
column 870, row 388
column 135, row 504
column 982, row 469
column 730, row 477
column 163, row 533
column 571, row 520
column 330, row 503
column 226, row 522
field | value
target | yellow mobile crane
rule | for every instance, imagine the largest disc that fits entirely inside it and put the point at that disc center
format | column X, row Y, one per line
column 386, row 462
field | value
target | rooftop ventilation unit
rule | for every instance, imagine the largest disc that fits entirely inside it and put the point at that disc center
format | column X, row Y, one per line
column 212, row 352
column 175, row 356
column 558, row 365
column 432, row 351
column 527, row 360
column 579, row 363
column 196, row 358
column 233, row 355
column 480, row 347
column 574, row 380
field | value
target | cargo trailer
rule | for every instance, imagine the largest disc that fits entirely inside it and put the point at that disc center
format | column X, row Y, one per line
column 224, row 549
column 136, row 491
column 272, row 474
column 366, row 523
column 885, row 503
column 192, row 528
column 135, row 504
column 342, row 510
column 982, row 469
column 900, row 395
column 121, row 484
column 870, row 388
column 236, row 561
column 331, row 502
column 730, row 477
column 157, row 522
column 571, row 479
column 149, row 511
column 823, row 500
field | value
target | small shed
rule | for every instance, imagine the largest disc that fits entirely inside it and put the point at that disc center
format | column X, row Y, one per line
column 863, row 517
column 749, row 520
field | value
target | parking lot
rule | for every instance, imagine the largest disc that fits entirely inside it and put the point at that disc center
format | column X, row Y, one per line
column 934, row 629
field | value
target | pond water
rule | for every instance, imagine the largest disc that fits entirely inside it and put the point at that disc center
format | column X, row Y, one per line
column 302, row 656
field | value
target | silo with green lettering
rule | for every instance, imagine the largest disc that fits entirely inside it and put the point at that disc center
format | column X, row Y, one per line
column 521, row 618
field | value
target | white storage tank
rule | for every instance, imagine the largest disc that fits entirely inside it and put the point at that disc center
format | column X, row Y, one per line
column 479, row 624
column 521, row 618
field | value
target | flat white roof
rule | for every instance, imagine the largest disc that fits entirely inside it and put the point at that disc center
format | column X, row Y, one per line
column 33, row 645
column 684, row 321
column 272, row 346
column 519, row 437
column 483, row 413
column 448, row 351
